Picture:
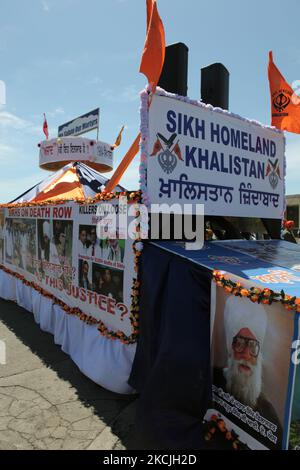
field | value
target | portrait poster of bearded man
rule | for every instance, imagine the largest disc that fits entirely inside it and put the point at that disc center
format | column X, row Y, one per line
column 243, row 372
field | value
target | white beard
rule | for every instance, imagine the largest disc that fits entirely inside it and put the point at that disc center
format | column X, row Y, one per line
column 245, row 388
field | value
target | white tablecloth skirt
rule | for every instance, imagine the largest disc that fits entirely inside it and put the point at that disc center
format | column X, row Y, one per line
column 106, row 362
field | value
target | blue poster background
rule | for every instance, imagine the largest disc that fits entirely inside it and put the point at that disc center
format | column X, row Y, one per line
column 249, row 260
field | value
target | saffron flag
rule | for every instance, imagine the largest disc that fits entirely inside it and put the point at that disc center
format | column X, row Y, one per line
column 114, row 180
column 119, row 138
column 285, row 104
column 45, row 127
column 149, row 12
column 153, row 56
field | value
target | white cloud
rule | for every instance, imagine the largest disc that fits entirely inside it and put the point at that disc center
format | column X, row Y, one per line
column 45, row 6
column 128, row 94
column 11, row 121
column 58, row 111
column 38, row 130
column 12, row 188
column 131, row 177
column 6, row 151
column 94, row 81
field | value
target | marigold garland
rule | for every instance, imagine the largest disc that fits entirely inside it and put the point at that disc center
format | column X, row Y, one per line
column 255, row 294
column 132, row 196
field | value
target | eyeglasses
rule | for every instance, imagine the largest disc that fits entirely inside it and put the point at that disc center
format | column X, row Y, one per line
column 240, row 343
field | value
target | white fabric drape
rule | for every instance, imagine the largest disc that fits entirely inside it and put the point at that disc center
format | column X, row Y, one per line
column 106, row 362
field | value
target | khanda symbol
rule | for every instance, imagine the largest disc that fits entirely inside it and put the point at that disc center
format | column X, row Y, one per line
column 273, row 171
column 280, row 102
column 167, row 151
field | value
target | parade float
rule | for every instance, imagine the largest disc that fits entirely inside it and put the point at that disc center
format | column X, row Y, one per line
column 208, row 336
column 219, row 330
column 53, row 264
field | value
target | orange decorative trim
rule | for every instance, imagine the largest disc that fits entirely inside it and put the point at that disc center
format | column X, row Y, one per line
column 132, row 196
column 255, row 294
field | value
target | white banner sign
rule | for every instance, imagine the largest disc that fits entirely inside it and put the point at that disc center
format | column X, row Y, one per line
column 57, row 247
column 196, row 155
column 58, row 152
column 80, row 125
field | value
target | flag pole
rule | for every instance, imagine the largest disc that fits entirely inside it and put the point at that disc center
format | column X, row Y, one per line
column 114, row 180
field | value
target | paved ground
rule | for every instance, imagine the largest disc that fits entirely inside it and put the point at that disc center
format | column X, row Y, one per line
column 46, row 402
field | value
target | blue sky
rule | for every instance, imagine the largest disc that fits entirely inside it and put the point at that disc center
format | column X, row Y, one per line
column 66, row 57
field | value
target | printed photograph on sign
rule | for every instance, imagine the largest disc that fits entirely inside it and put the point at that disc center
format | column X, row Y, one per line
column 250, row 347
column 113, row 249
column 58, row 249
column 294, row 426
column 105, row 266
column 106, row 249
column 294, row 433
column 55, row 240
column 85, row 274
column 108, row 281
column 2, row 234
column 20, row 242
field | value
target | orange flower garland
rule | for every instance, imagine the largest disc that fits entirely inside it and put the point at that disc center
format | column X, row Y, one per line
column 132, row 196
column 255, row 294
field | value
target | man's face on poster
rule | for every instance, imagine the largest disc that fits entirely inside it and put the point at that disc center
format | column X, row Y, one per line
column 93, row 235
column 85, row 269
column 107, row 276
column 244, row 372
column 245, row 351
column 82, row 236
column 62, row 239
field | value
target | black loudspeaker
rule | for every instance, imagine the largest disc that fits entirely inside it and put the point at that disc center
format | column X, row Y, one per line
column 174, row 74
column 215, row 85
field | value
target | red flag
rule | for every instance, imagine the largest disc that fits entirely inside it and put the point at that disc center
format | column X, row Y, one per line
column 156, row 148
column 177, row 151
column 153, row 56
column 285, row 104
column 45, row 127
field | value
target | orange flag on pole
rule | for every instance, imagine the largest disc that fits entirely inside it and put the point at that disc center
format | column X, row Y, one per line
column 285, row 104
column 114, row 180
column 151, row 65
column 153, row 56
column 149, row 12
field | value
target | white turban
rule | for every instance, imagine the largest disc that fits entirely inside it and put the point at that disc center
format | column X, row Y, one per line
column 46, row 229
column 240, row 312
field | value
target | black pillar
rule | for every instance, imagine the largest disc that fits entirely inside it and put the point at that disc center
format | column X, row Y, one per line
column 175, row 70
column 215, row 85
